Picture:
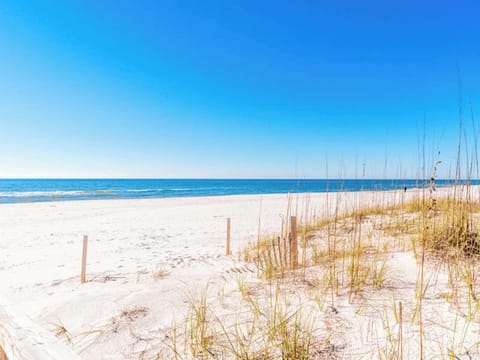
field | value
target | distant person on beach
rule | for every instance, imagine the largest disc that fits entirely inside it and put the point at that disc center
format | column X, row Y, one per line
column 404, row 189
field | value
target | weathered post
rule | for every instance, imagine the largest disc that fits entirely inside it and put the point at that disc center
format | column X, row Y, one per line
column 3, row 356
column 228, row 237
column 84, row 259
column 294, row 243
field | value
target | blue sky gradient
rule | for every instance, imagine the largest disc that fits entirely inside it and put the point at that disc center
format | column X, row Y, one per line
column 250, row 89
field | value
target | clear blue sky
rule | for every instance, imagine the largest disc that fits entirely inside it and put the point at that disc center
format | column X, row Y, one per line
column 233, row 88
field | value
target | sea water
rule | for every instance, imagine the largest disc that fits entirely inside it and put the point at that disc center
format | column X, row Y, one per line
column 34, row 190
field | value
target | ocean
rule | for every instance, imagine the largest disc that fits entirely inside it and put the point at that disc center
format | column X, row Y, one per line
column 35, row 190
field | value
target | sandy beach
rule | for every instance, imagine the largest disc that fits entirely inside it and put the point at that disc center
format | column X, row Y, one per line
column 147, row 261
column 239, row 180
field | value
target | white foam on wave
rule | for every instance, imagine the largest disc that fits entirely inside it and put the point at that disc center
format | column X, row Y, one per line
column 92, row 193
column 42, row 193
column 158, row 190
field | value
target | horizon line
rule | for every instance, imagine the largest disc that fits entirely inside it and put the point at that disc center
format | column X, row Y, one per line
column 224, row 178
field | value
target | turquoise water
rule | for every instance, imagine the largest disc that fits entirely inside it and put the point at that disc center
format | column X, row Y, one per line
column 34, row 190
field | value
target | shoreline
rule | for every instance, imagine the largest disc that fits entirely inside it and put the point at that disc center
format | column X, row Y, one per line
column 227, row 196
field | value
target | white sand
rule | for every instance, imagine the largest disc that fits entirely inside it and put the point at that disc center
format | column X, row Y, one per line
column 129, row 241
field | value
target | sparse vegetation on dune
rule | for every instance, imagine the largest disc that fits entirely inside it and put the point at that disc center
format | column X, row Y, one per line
column 387, row 277
column 356, row 269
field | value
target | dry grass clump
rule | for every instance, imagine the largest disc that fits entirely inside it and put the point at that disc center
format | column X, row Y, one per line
column 453, row 234
column 61, row 331
column 200, row 334
column 270, row 257
column 455, row 240
column 160, row 274
column 133, row 312
column 346, row 247
column 266, row 327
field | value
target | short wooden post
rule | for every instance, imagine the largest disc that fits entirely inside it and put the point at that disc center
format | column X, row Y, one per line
column 3, row 356
column 294, row 243
column 84, row 259
column 228, row 237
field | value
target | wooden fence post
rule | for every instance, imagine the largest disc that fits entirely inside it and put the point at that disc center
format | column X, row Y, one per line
column 294, row 243
column 228, row 237
column 84, row 259
column 3, row 356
